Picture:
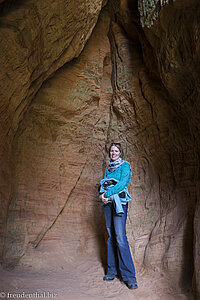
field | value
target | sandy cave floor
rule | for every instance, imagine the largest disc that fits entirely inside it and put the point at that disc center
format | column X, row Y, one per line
column 82, row 280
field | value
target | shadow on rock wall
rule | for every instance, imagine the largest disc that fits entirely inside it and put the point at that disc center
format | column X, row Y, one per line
column 129, row 85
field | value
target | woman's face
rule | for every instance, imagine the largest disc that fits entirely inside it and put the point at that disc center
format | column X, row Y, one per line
column 114, row 153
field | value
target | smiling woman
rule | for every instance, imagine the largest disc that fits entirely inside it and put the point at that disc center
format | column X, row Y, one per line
column 115, row 197
column 115, row 151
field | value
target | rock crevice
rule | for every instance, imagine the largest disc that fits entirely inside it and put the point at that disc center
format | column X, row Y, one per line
column 132, row 84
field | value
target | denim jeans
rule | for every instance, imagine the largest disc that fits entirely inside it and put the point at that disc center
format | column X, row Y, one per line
column 118, row 251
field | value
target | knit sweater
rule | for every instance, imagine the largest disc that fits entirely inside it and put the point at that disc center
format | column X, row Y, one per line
column 122, row 174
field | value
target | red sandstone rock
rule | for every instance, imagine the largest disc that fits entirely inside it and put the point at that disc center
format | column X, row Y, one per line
column 171, row 87
column 58, row 158
column 148, row 101
column 37, row 38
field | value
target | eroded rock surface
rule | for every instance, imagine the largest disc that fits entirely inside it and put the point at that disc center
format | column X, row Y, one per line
column 174, row 38
column 137, row 86
column 59, row 153
column 36, row 38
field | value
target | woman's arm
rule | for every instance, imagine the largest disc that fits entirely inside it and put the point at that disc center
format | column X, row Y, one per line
column 123, row 182
column 106, row 171
column 102, row 194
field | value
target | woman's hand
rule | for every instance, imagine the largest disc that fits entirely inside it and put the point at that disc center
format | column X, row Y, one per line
column 104, row 199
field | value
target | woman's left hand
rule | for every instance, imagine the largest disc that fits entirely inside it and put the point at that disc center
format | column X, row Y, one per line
column 104, row 199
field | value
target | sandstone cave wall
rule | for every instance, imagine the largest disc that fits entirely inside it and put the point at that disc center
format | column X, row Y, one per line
column 58, row 158
column 136, row 86
column 174, row 40
column 36, row 38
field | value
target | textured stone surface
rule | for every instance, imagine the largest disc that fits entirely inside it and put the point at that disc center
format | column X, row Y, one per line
column 59, row 155
column 140, row 88
column 175, row 43
column 36, row 38
column 150, row 9
column 145, row 122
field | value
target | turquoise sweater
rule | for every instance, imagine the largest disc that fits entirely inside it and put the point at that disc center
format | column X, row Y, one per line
column 122, row 174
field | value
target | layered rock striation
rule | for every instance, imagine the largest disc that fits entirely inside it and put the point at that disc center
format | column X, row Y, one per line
column 170, row 84
column 37, row 38
column 58, row 157
column 133, row 84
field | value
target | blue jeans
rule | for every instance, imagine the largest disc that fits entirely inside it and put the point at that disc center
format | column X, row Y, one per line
column 118, row 251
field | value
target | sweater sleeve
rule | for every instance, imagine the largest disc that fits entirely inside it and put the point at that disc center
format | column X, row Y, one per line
column 123, row 182
column 105, row 175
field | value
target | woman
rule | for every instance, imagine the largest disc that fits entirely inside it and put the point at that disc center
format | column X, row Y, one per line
column 118, row 251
